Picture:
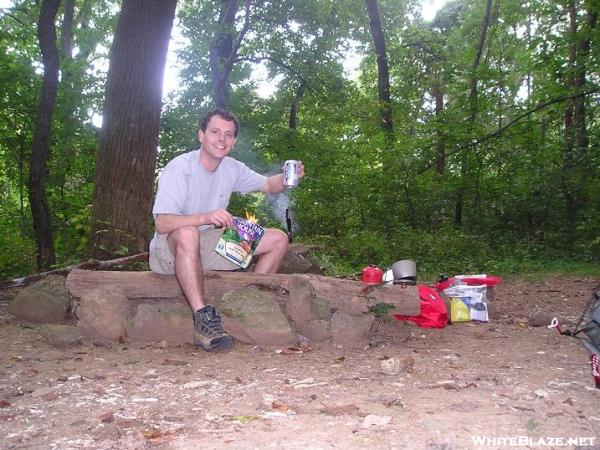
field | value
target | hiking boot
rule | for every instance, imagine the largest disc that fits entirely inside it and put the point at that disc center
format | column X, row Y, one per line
column 208, row 332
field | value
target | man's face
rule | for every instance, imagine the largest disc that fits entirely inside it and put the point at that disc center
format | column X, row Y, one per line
column 219, row 137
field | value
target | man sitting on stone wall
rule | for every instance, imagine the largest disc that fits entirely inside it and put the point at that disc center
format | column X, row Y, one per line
column 190, row 213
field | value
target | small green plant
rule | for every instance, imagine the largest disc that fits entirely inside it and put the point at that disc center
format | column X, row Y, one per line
column 381, row 309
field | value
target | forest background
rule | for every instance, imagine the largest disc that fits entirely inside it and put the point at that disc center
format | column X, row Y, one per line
column 468, row 143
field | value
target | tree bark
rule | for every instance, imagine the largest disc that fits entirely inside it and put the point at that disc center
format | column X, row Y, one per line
column 126, row 162
column 383, row 76
column 40, row 147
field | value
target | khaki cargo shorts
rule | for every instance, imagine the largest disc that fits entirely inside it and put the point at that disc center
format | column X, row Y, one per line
column 162, row 259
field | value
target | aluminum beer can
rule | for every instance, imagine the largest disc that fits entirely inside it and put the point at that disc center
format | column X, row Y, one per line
column 290, row 173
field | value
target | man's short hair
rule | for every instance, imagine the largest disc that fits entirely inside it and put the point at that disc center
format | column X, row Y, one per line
column 223, row 114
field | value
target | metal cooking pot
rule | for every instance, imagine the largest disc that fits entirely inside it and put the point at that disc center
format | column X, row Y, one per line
column 405, row 272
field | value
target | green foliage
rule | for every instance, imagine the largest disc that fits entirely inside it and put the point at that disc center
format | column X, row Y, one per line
column 448, row 251
column 528, row 201
column 381, row 309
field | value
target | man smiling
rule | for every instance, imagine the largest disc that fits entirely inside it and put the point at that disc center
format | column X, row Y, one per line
column 190, row 211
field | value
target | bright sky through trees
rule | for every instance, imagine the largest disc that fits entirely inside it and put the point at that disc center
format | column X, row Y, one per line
column 266, row 87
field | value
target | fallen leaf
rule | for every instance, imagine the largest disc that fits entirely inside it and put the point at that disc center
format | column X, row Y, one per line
column 4, row 403
column 152, row 433
column 174, row 362
column 244, row 419
column 340, row 410
column 108, row 417
column 340, row 359
column 289, row 351
column 540, row 393
column 389, row 402
column 373, row 420
column 531, row 425
column 50, row 396
column 278, row 405
column 466, row 406
column 197, row 384
column 522, row 408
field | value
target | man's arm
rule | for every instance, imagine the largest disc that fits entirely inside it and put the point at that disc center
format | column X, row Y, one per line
column 166, row 223
column 273, row 185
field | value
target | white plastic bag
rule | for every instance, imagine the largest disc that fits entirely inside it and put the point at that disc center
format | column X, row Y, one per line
column 467, row 303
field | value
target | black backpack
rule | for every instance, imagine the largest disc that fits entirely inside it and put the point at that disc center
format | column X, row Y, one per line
column 589, row 325
column 587, row 331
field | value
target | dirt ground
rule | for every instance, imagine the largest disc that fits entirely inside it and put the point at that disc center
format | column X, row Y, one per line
column 500, row 384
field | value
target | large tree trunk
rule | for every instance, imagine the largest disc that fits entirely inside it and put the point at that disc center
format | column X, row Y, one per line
column 383, row 77
column 42, row 223
column 126, row 162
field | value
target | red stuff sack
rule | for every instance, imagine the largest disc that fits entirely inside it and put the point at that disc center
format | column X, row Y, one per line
column 475, row 280
column 433, row 309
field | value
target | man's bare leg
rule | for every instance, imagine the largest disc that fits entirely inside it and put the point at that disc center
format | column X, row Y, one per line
column 184, row 243
column 208, row 331
column 271, row 250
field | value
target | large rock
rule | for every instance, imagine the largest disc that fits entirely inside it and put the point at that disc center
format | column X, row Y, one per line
column 61, row 335
column 299, row 304
column 102, row 314
column 46, row 301
column 350, row 329
column 254, row 317
column 162, row 321
column 309, row 314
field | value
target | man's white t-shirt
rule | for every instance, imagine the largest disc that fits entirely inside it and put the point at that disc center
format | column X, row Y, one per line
column 186, row 187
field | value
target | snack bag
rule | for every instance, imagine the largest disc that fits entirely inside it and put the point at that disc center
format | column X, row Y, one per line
column 237, row 244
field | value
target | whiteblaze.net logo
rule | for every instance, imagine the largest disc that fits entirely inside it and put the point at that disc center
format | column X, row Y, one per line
column 522, row 441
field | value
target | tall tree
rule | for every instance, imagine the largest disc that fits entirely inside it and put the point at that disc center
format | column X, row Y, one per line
column 42, row 224
column 126, row 162
column 224, row 48
column 576, row 135
column 383, row 76
column 473, row 96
